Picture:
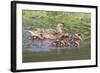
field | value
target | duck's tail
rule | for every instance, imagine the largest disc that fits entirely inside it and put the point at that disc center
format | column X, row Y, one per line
column 31, row 32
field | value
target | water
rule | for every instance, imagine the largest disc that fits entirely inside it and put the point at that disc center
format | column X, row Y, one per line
column 44, row 45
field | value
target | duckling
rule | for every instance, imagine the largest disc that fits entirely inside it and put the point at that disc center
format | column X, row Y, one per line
column 62, row 43
column 64, row 37
column 78, row 39
column 56, row 42
column 77, row 43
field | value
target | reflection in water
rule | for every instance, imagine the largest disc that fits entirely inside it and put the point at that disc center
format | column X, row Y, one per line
column 44, row 45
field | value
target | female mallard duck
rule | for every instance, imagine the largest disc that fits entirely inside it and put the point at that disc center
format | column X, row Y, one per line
column 49, row 33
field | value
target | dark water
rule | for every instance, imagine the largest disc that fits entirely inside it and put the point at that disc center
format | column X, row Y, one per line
column 43, row 45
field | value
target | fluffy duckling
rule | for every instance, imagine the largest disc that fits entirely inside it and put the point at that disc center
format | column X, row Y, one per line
column 60, row 43
column 78, row 40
